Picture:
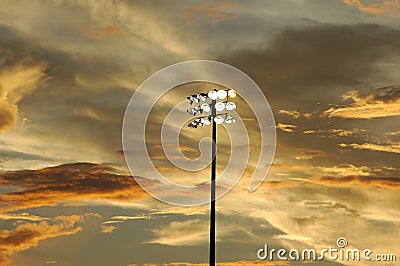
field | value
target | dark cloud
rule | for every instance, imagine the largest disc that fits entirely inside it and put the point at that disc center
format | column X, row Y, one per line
column 318, row 61
column 54, row 185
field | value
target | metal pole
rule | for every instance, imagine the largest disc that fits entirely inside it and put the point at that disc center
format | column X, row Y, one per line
column 213, row 174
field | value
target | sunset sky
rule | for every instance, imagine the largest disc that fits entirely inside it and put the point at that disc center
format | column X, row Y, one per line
column 330, row 70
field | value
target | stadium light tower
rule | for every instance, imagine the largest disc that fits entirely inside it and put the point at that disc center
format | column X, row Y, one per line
column 210, row 114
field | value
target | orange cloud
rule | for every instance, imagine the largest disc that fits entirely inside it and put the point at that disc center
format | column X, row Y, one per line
column 382, row 102
column 384, row 7
column 210, row 12
column 66, row 183
column 28, row 235
column 107, row 229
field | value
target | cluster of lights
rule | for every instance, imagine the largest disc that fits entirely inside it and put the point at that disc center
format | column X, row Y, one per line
column 199, row 122
column 196, row 98
column 206, row 121
column 204, row 107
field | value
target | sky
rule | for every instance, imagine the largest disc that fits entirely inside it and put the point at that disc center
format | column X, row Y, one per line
column 330, row 70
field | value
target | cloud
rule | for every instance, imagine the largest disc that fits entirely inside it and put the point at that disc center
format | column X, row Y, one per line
column 124, row 218
column 381, row 102
column 28, row 235
column 336, row 132
column 362, row 181
column 67, row 183
column 187, row 233
column 347, row 170
column 392, row 148
column 107, row 229
column 21, row 216
column 293, row 113
column 285, row 127
column 382, row 7
column 394, row 133
column 17, row 79
column 211, row 12
column 354, row 52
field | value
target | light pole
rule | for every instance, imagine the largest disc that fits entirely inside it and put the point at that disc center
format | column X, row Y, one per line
column 219, row 102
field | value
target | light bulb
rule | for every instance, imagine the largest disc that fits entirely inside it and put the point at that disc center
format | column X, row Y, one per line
column 222, row 94
column 203, row 97
column 219, row 119
column 196, row 98
column 206, row 107
column 219, row 106
column 230, row 106
column 206, row 121
column 213, row 95
column 229, row 120
column 232, row 93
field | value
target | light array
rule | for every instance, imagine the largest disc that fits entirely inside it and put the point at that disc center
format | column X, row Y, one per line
column 204, row 107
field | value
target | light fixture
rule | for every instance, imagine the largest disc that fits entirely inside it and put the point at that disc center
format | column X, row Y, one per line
column 206, row 120
column 222, row 94
column 229, row 119
column 206, row 107
column 198, row 122
column 203, row 97
column 213, row 95
column 219, row 106
column 231, row 93
column 230, row 106
column 196, row 98
column 219, row 119
column 192, row 125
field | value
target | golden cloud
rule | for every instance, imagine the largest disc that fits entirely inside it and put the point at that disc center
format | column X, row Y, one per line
column 336, row 132
column 362, row 181
column 286, row 128
column 393, row 147
column 15, row 82
column 28, row 235
column 293, row 113
column 382, row 102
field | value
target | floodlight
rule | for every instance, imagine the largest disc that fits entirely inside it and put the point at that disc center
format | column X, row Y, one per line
column 230, row 106
column 213, row 95
column 219, row 119
column 206, row 107
column 229, row 119
column 219, row 106
column 206, row 120
column 222, row 94
column 231, row 93
column 203, row 97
